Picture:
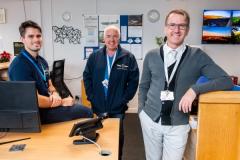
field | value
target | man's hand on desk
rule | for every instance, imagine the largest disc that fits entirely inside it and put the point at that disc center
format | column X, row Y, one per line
column 185, row 103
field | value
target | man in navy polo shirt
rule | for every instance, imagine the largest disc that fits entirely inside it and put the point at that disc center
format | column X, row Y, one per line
column 29, row 66
column 111, row 78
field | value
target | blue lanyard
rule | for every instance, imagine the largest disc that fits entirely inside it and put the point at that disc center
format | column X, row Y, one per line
column 43, row 76
column 109, row 66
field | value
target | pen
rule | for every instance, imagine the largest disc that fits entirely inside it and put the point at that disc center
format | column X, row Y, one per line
column 16, row 140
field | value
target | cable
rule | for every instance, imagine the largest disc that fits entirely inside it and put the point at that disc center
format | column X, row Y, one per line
column 98, row 146
column 16, row 140
column 96, row 7
column 41, row 9
column 24, row 9
column 52, row 30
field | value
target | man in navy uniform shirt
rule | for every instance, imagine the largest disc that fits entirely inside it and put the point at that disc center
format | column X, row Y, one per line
column 29, row 66
column 111, row 78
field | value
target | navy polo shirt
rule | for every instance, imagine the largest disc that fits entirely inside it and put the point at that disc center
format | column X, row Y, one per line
column 22, row 69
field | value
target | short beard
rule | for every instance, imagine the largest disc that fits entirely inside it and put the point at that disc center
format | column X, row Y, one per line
column 35, row 50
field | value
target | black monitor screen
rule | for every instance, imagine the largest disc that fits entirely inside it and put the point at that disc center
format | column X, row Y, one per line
column 19, row 107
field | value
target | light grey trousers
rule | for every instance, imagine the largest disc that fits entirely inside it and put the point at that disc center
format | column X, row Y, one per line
column 163, row 142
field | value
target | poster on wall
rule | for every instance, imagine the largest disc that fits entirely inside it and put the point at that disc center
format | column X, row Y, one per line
column 91, row 30
column 104, row 21
column 134, row 34
column 91, row 34
column 131, row 28
column 2, row 16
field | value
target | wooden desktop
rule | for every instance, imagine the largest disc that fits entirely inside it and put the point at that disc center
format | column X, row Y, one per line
column 3, row 69
column 53, row 143
column 4, row 65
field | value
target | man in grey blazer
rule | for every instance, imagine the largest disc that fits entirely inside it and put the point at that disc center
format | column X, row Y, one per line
column 168, row 88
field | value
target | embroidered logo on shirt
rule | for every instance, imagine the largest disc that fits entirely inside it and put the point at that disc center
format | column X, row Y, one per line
column 122, row 66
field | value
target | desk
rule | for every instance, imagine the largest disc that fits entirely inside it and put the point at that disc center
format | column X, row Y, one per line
column 218, row 132
column 53, row 143
column 3, row 70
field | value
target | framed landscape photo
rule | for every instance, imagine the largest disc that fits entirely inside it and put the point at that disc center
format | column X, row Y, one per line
column 221, row 27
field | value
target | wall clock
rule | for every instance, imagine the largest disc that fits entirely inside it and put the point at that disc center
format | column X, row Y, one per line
column 153, row 15
column 66, row 16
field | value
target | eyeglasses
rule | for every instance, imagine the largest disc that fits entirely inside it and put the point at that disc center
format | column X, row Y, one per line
column 173, row 26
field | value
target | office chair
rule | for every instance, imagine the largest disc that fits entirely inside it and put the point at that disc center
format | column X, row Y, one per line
column 57, row 77
column 204, row 79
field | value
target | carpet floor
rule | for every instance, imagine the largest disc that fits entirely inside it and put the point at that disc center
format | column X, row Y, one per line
column 133, row 148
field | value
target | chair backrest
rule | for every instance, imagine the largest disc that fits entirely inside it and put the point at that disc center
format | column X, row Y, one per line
column 204, row 79
column 58, row 70
column 57, row 77
column 236, row 88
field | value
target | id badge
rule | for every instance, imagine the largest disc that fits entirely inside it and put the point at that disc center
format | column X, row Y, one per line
column 167, row 95
column 105, row 83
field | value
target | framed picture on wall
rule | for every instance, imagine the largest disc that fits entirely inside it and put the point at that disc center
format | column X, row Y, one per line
column 2, row 15
column 221, row 27
column 17, row 46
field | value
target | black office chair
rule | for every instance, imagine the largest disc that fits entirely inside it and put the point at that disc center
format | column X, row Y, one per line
column 57, row 77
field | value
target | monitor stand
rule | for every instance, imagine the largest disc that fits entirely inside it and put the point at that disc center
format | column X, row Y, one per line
column 92, row 136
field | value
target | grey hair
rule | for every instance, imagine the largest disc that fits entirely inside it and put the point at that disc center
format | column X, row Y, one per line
column 113, row 27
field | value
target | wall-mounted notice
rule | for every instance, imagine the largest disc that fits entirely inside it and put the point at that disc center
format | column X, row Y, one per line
column 131, row 28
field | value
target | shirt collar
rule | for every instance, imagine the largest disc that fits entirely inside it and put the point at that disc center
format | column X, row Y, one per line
column 180, row 49
column 30, row 56
column 168, row 60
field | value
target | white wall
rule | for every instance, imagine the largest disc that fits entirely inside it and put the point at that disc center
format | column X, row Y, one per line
column 49, row 12
column 14, row 16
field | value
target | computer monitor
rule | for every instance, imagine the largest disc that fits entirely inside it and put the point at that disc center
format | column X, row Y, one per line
column 19, row 107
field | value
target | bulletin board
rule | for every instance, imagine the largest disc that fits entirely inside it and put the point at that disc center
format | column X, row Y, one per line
column 131, row 27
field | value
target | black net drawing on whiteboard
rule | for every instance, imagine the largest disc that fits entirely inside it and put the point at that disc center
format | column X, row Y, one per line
column 72, row 35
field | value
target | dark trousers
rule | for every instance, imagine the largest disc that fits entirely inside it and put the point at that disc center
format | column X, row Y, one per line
column 60, row 114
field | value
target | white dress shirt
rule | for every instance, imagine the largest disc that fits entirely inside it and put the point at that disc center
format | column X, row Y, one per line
column 172, row 55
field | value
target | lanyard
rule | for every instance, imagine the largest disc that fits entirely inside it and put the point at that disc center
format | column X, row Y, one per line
column 169, row 79
column 109, row 66
column 42, row 75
